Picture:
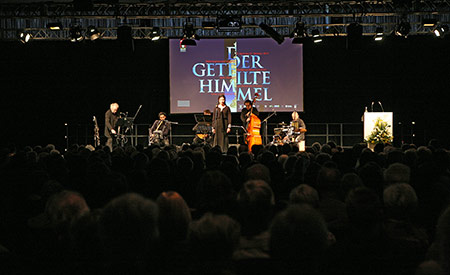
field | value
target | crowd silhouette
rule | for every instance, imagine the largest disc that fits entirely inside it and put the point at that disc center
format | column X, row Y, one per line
column 192, row 209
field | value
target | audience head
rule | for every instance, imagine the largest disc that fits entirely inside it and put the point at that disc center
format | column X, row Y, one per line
column 400, row 201
column 128, row 226
column 304, row 194
column 397, row 173
column 174, row 216
column 299, row 238
column 214, row 237
column 256, row 201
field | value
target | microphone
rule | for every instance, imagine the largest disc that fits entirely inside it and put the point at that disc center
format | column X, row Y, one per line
column 371, row 107
column 381, row 105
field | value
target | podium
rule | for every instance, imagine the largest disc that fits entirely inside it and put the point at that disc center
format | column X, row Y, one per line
column 378, row 127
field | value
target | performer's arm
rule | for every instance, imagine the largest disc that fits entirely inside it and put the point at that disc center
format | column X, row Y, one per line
column 213, row 123
column 166, row 129
column 255, row 111
column 229, row 119
column 302, row 124
column 243, row 115
column 153, row 127
column 110, row 128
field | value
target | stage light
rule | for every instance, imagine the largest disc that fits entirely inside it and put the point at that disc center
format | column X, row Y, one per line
column 316, row 36
column 229, row 24
column 379, row 34
column 208, row 25
column 272, row 33
column 155, row 34
column 93, row 33
column 24, row 37
column 55, row 26
column 189, row 35
column 75, row 34
column 441, row 30
column 299, row 34
column 429, row 22
column 403, row 29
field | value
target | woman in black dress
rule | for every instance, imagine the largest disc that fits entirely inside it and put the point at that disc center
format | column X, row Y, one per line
column 221, row 123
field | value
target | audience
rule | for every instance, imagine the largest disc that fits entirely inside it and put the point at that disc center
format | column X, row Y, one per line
column 194, row 210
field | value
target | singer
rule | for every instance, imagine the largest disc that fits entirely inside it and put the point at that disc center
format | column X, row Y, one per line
column 159, row 132
column 221, row 123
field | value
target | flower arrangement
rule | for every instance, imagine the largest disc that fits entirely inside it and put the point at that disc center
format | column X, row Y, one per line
column 380, row 133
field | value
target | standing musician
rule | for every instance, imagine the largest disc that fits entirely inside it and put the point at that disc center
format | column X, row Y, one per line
column 111, row 117
column 249, row 116
column 159, row 132
column 221, row 124
column 299, row 128
column 245, row 113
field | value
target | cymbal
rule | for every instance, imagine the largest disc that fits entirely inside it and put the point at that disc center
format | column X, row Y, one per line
column 282, row 124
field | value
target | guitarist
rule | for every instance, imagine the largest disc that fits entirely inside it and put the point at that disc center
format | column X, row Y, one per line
column 111, row 117
column 159, row 132
column 245, row 113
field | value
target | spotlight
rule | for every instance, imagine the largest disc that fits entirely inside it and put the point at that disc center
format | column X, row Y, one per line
column 93, row 33
column 403, row 29
column 155, row 33
column 299, row 34
column 189, row 35
column 208, row 25
column 378, row 34
column 75, row 34
column 429, row 22
column 229, row 24
column 316, row 36
column 441, row 30
column 24, row 37
column 55, row 26
column 272, row 33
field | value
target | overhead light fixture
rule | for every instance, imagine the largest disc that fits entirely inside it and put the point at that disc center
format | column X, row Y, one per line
column 93, row 33
column 272, row 33
column 155, row 34
column 208, row 25
column 24, row 37
column 379, row 34
column 229, row 24
column 429, row 22
column 75, row 34
column 189, row 35
column 55, row 26
column 299, row 34
column 316, row 36
column 441, row 30
column 403, row 29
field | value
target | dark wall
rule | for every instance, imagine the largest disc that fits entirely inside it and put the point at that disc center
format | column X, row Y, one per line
column 46, row 84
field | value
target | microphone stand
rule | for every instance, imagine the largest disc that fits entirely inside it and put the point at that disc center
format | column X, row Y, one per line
column 170, row 129
column 265, row 126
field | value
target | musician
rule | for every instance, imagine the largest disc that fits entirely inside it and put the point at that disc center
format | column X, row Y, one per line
column 159, row 132
column 299, row 129
column 221, row 123
column 111, row 117
column 245, row 113
column 203, row 129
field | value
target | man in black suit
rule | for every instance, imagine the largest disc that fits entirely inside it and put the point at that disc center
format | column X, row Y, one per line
column 111, row 117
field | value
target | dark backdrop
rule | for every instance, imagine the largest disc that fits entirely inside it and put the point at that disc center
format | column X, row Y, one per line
column 46, row 84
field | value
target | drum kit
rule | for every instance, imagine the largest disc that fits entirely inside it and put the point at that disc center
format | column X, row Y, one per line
column 285, row 133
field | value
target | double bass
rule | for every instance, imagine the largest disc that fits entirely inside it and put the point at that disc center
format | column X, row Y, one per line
column 253, row 128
